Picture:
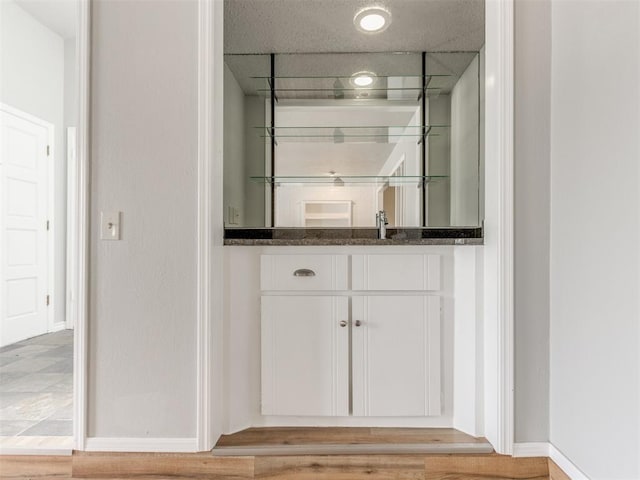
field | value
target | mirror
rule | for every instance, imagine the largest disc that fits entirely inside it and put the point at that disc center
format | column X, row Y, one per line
column 328, row 140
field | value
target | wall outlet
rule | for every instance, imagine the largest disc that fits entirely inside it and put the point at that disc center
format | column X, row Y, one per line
column 233, row 216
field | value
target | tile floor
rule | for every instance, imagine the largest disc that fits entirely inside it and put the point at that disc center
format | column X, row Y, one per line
column 36, row 380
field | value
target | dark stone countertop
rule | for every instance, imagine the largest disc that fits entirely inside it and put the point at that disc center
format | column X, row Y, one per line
column 353, row 236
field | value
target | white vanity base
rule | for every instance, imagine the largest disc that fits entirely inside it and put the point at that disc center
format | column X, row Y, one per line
column 445, row 276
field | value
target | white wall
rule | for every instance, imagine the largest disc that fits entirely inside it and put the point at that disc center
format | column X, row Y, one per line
column 464, row 172
column 595, row 236
column 234, row 148
column 70, row 83
column 532, row 177
column 142, row 322
column 32, row 80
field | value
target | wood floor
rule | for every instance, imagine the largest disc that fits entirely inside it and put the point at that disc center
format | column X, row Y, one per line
column 332, row 467
column 349, row 440
column 347, row 435
column 340, row 466
column 556, row 473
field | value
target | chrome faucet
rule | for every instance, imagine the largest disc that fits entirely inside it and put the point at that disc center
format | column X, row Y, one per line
column 381, row 223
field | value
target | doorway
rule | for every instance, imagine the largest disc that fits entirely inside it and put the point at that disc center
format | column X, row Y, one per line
column 38, row 116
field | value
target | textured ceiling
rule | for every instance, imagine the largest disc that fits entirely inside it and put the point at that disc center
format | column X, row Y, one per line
column 57, row 15
column 287, row 26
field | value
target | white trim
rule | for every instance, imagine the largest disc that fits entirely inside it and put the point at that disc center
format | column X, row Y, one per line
column 71, row 284
column 80, row 357
column 167, row 445
column 210, row 225
column 59, row 452
column 545, row 449
column 56, row 327
column 51, row 232
column 567, row 466
column 498, row 281
column 216, row 61
column 531, row 449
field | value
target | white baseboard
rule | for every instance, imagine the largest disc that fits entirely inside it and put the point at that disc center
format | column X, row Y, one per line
column 165, row 445
column 545, row 449
column 56, row 327
column 59, row 452
column 565, row 464
column 531, row 449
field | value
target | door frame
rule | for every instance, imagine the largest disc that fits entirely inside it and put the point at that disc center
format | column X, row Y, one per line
column 80, row 228
column 498, row 284
column 71, row 283
column 498, row 226
column 51, row 158
column 210, row 226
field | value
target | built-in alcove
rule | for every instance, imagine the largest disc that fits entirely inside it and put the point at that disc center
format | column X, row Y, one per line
column 300, row 133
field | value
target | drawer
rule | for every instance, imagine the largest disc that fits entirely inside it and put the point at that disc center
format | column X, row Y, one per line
column 395, row 272
column 304, row 272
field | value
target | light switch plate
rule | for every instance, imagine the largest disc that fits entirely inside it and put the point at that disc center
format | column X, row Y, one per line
column 110, row 225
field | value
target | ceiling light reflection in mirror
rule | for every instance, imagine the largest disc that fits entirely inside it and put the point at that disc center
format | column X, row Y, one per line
column 363, row 79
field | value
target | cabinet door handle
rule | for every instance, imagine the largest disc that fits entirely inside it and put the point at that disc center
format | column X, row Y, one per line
column 358, row 323
column 343, row 323
column 304, row 272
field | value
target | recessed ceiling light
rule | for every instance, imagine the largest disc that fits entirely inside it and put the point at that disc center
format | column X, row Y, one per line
column 362, row 79
column 372, row 19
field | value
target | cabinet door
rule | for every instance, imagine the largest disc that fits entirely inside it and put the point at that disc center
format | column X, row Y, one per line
column 305, row 355
column 396, row 355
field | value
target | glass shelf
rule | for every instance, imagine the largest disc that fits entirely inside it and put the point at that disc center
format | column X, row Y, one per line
column 344, row 77
column 400, row 87
column 342, row 180
column 399, row 94
column 352, row 134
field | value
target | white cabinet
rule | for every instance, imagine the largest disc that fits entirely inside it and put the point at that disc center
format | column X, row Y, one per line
column 396, row 355
column 305, row 355
column 406, row 272
column 304, row 272
column 348, row 352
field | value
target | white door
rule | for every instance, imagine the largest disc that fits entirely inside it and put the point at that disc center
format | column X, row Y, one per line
column 305, row 355
column 396, row 355
column 23, row 230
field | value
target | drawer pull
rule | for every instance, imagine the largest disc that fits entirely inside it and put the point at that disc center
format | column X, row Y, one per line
column 343, row 323
column 358, row 323
column 304, row 272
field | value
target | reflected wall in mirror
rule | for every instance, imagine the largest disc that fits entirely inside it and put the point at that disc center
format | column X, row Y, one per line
column 328, row 140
